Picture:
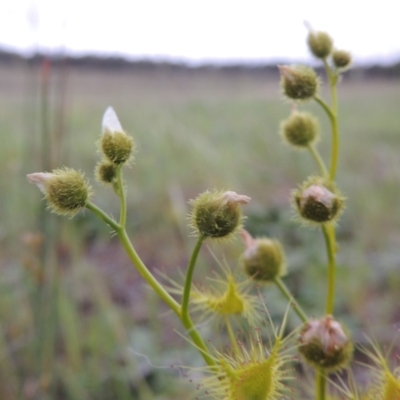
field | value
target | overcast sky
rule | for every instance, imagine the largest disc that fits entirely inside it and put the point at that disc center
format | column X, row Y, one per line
column 218, row 30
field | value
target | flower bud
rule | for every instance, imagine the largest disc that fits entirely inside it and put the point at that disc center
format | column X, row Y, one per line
column 324, row 344
column 300, row 129
column 115, row 144
column 106, row 172
column 263, row 259
column 298, row 82
column 66, row 190
column 318, row 201
column 341, row 59
column 217, row 214
column 320, row 44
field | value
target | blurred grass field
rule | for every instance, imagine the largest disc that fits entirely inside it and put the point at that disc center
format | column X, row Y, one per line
column 194, row 129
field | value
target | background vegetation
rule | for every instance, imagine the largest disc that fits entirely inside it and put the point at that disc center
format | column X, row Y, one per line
column 75, row 317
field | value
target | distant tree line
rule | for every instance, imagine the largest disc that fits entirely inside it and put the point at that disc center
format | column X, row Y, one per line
column 9, row 58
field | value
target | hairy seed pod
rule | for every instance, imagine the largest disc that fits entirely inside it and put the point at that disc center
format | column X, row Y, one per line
column 320, row 44
column 300, row 129
column 318, row 201
column 324, row 344
column 217, row 214
column 298, row 82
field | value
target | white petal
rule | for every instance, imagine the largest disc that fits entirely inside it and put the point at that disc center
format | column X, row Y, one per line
column 111, row 122
column 234, row 198
column 39, row 179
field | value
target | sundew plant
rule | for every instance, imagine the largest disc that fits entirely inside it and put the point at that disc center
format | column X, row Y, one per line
column 258, row 362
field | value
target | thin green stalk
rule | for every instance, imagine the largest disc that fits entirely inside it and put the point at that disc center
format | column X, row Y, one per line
column 321, row 165
column 330, row 241
column 320, row 388
column 122, row 196
column 146, row 274
column 157, row 287
column 285, row 291
column 189, row 276
column 332, row 112
column 102, row 215
column 185, row 316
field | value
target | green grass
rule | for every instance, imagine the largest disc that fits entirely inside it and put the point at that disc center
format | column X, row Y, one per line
column 193, row 131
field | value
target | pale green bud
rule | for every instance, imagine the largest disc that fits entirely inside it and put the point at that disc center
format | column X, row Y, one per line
column 106, row 172
column 217, row 214
column 263, row 259
column 320, row 44
column 300, row 129
column 298, row 82
column 65, row 190
column 115, row 144
column 341, row 59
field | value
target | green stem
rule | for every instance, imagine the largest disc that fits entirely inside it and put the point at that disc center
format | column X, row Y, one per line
column 330, row 241
column 325, row 107
column 122, row 196
column 321, row 165
column 185, row 315
column 285, row 291
column 320, row 385
column 102, row 215
column 189, row 277
column 146, row 274
column 332, row 113
column 157, row 287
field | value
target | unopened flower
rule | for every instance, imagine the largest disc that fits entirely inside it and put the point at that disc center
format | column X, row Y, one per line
column 65, row 190
column 320, row 44
column 263, row 259
column 300, row 129
column 115, row 144
column 341, row 59
column 318, row 201
column 217, row 214
column 106, row 172
column 298, row 82
column 324, row 344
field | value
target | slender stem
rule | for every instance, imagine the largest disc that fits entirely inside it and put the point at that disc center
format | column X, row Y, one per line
column 320, row 385
column 146, row 274
column 325, row 107
column 285, row 291
column 189, row 277
column 333, row 115
column 185, row 316
column 122, row 196
column 232, row 335
column 321, row 165
column 102, row 215
column 330, row 241
column 157, row 287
